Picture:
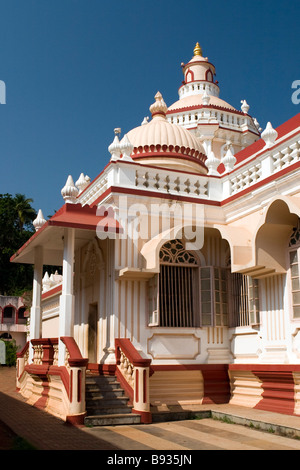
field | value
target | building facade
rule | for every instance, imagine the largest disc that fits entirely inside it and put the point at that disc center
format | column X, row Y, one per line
column 14, row 317
column 180, row 263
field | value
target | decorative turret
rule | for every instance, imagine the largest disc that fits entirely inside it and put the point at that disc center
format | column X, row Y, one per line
column 69, row 192
column 269, row 135
column 200, row 72
column 114, row 148
column 39, row 221
column 201, row 110
column 126, row 148
column 229, row 160
column 82, row 182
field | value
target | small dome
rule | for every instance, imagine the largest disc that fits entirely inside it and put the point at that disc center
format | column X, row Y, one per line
column 196, row 100
column 164, row 144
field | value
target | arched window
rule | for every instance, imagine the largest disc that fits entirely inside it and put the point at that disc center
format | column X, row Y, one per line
column 21, row 318
column 209, row 76
column 187, row 294
column 294, row 256
column 8, row 314
column 177, row 280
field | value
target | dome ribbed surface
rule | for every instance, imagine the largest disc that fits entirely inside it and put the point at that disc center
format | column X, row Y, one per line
column 159, row 132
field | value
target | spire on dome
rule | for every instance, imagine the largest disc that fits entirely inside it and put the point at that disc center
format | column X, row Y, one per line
column 159, row 107
column 198, row 49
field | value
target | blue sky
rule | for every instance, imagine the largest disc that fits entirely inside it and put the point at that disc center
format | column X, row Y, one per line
column 76, row 69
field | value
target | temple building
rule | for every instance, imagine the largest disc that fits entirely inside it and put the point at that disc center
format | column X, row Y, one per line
column 180, row 267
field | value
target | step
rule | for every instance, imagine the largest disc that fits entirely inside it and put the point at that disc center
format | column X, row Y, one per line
column 112, row 419
column 108, row 410
column 100, row 393
column 105, row 402
column 100, row 378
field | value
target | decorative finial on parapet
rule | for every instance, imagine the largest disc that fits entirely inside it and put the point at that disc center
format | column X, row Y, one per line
column 245, row 106
column 69, row 192
column 46, row 282
column 114, row 148
column 198, row 49
column 39, row 221
column 126, row 148
column 229, row 160
column 269, row 135
column 212, row 163
column 82, row 182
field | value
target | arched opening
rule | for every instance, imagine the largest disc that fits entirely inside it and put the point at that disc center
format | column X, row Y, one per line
column 273, row 236
column 8, row 314
column 294, row 272
column 21, row 315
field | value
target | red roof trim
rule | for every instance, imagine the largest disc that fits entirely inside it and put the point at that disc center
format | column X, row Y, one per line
column 76, row 216
column 170, row 155
column 149, row 193
column 52, row 291
column 285, row 128
column 200, row 106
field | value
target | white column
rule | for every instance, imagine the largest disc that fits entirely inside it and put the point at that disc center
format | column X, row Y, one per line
column 36, row 311
column 66, row 306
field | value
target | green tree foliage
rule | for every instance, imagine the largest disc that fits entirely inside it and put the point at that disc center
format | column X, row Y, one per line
column 16, row 216
column 11, row 352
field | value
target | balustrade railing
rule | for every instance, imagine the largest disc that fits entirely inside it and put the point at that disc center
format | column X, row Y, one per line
column 45, row 363
column 133, row 373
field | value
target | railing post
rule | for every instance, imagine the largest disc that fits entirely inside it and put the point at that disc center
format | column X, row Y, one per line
column 141, row 403
column 136, row 381
column 77, row 370
column 22, row 361
column 77, row 408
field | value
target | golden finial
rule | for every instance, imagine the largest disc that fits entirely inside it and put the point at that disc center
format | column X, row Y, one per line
column 197, row 49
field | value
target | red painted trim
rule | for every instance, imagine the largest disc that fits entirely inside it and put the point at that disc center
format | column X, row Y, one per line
column 76, row 359
column 266, row 367
column 277, row 382
column 129, row 350
column 52, row 291
column 137, row 385
column 79, row 381
column 186, row 76
column 71, row 386
column 23, row 351
column 76, row 420
column 284, row 129
column 125, row 385
column 145, row 386
column 201, row 367
column 146, row 193
column 273, row 177
column 146, row 416
column 215, row 379
column 279, row 394
column 179, row 156
column 13, row 314
column 198, row 62
column 210, row 73
column 102, row 369
column 200, row 106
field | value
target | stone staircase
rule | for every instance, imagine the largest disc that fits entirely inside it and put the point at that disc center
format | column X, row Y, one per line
column 106, row 403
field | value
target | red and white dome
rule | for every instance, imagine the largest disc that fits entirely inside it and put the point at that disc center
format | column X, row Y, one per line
column 161, row 143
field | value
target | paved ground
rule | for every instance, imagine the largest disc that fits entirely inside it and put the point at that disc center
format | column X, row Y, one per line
column 45, row 432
